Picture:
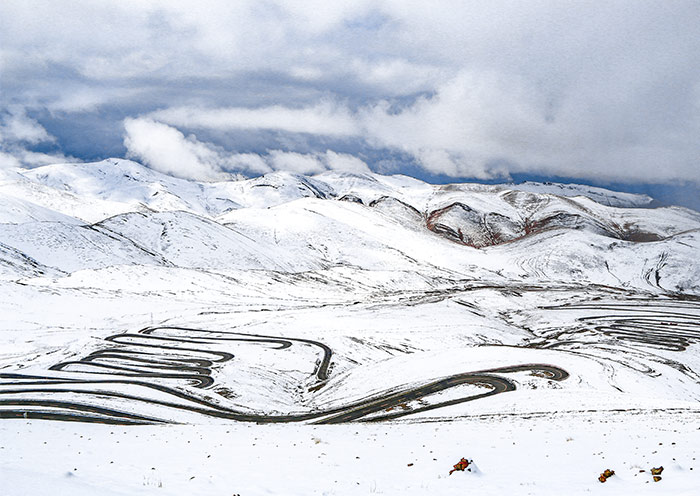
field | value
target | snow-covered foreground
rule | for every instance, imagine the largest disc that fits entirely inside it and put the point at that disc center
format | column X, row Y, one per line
column 544, row 454
column 342, row 334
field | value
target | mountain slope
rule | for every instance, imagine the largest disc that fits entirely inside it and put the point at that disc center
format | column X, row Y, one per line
column 291, row 223
column 552, row 327
column 186, row 240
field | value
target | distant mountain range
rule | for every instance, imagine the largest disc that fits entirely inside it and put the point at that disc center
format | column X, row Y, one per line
column 59, row 219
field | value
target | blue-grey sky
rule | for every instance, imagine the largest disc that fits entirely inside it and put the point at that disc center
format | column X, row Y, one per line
column 603, row 93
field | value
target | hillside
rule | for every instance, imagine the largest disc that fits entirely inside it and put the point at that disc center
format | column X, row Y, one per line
column 355, row 307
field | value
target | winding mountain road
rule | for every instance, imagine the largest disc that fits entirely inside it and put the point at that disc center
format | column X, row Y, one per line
column 666, row 324
column 139, row 373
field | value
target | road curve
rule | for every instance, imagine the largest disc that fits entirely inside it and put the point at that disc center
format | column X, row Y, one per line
column 657, row 323
column 147, row 370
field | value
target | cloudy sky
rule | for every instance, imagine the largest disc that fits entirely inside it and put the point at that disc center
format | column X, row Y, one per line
column 598, row 92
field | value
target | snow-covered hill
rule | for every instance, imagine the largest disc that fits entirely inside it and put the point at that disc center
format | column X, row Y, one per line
column 131, row 297
column 291, row 223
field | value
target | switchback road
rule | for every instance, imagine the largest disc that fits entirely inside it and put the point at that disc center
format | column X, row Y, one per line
column 151, row 375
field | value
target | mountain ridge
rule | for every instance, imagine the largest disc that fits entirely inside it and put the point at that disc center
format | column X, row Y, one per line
column 92, row 216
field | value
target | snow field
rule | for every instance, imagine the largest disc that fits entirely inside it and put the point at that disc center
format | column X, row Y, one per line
column 547, row 454
column 266, row 272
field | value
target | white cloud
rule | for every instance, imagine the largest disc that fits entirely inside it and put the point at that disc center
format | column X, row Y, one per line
column 167, row 150
column 16, row 126
column 324, row 118
column 344, row 162
column 248, row 162
column 17, row 156
column 476, row 124
column 306, row 72
column 484, row 125
column 603, row 90
column 19, row 131
column 295, row 162
column 397, row 74
column 7, row 160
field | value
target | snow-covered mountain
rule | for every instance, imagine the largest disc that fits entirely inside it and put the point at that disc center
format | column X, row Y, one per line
column 131, row 297
column 112, row 213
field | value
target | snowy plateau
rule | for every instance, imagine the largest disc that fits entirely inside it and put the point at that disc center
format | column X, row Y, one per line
column 343, row 334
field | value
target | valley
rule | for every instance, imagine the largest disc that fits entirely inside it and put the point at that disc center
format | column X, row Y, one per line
column 372, row 305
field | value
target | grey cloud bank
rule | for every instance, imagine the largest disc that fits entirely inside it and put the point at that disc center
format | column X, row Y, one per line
column 484, row 90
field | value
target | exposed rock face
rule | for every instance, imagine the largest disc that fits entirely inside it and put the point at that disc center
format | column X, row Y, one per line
column 565, row 220
column 398, row 209
column 352, row 198
column 529, row 214
column 501, row 228
column 460, row 223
